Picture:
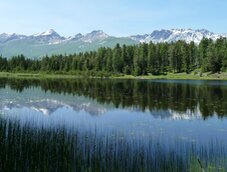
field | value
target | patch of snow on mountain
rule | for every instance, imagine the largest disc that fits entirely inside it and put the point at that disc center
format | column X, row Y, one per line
column 96, row 35
column 47, row 33
column 174, row 35
column 5, row 37
column 77, row 37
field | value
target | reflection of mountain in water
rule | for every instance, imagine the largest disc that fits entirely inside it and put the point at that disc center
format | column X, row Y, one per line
column 164, row 99
column 174, row 115
column 47, row 103
column 48, row 107
column 39, row 101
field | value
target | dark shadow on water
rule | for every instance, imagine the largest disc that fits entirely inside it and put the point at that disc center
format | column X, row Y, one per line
column 209, row 96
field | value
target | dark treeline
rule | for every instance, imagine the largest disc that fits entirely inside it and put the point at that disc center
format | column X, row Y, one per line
column 143, row 95
column 142, row 59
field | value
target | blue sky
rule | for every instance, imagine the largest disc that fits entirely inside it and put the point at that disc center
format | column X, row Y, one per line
column 115, row 17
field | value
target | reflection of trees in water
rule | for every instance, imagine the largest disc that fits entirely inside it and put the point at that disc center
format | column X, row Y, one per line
column 134, row 93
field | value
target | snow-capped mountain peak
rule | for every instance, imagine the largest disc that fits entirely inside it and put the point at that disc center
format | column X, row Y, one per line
column 94, row 36
column 173, row 35
column 98, row 33
column 6, row 34
column 5, row 37
column 76, row 37
column 48, row 37
column 50, row 32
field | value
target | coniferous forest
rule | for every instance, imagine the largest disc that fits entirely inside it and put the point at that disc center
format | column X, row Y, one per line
column 142, row 59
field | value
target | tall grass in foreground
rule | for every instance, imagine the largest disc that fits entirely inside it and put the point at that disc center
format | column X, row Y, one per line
column 27, row 148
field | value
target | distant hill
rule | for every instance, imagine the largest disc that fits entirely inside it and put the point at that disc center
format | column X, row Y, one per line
column 50, row 42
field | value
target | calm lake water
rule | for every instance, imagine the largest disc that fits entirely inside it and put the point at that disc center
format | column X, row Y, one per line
column 166, row 110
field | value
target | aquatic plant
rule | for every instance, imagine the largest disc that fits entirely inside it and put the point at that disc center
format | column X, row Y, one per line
column 28, row 148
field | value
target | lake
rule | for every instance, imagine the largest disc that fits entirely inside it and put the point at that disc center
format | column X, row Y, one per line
column 177, row 114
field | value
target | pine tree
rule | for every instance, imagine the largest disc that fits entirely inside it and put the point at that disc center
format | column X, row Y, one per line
column 109, row 60
column 118, row 62
column 100, row 60
column 186, row 58
column 136, row 62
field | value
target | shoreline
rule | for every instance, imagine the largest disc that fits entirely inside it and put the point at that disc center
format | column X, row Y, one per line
column 170, row 76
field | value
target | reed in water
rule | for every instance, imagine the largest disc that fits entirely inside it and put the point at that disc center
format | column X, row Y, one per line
column 28, row 148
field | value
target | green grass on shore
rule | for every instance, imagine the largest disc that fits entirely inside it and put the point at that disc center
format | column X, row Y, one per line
column 183, row 76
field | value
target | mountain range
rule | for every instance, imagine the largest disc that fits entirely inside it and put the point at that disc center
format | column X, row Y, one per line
column 50, row 42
